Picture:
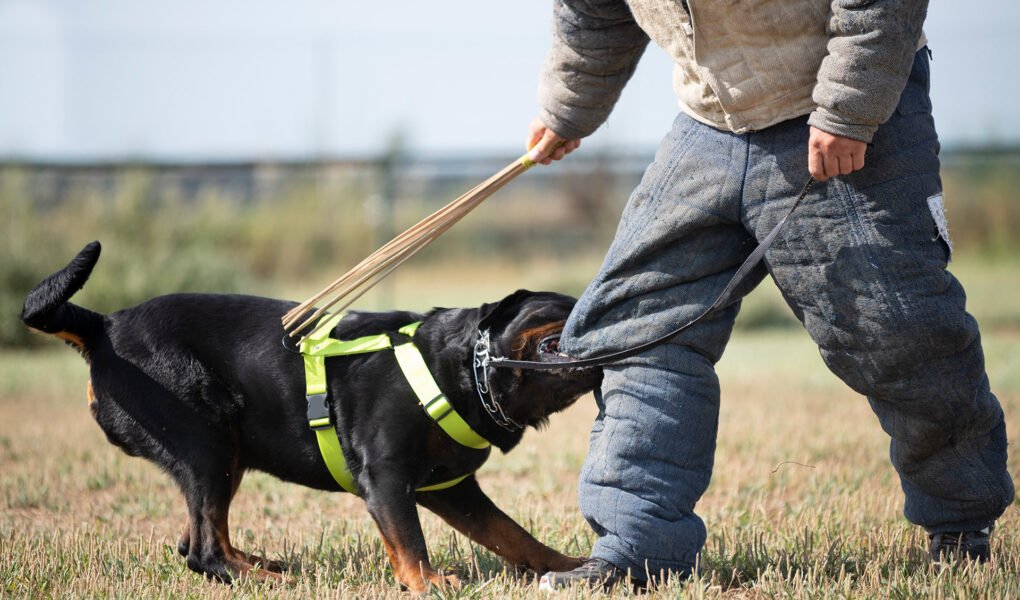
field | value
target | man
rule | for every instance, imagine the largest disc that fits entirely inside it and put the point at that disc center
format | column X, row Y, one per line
column 770, row 92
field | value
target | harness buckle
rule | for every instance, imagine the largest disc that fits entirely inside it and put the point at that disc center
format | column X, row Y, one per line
column 448, row 409
column 318, row 411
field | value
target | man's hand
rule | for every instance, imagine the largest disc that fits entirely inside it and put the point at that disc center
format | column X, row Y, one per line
column 830, row 155
column 546, row 146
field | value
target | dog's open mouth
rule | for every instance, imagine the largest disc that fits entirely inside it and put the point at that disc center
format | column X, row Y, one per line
column 549, row 349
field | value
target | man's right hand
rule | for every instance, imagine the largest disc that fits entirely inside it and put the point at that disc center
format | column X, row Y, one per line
column 545, row 146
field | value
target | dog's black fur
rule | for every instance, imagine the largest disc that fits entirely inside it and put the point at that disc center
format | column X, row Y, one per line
column 202, row 386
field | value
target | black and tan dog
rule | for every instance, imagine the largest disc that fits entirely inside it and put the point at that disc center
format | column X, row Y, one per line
column 202, row 386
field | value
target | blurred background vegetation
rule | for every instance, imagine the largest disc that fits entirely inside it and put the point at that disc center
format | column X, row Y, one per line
column 287, row 229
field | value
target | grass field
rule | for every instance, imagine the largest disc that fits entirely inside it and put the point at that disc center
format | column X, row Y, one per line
column 804, row 503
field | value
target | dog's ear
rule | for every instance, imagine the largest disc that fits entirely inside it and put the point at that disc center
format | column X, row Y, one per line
column 497, row 317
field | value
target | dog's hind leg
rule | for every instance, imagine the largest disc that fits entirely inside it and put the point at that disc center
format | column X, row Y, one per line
column 208, row 489
column 198, row 449
column 466, row 507
column 209, row 551
column 252, row 560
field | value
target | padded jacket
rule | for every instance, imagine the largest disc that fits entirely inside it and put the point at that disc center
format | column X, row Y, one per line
column 739, row 66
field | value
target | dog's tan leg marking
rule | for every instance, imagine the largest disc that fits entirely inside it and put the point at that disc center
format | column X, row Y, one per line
column 205, row 540
column 505, row 537
column 250, row 559
column 415, row 575
column 438, row 579
column 412, row 578
column 90, row 394
column 239, row 561
column 470, row 511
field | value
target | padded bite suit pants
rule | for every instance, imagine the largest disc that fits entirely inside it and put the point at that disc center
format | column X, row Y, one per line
column 862, row 263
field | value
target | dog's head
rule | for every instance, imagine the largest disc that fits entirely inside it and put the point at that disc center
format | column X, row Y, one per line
column 526, row 326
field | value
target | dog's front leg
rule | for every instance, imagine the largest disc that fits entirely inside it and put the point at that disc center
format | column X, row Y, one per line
column 391, row 503
column 466, row 507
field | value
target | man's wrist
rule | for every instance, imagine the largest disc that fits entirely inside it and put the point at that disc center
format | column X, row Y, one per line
column 824, row 120
column 562, row 127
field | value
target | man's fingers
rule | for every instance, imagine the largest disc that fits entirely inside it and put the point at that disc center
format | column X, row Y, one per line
column 846, row 164
column 544, row 148
column 831, row 162
column 542, row 153
column 535, row 131
column 824, row 165
column 815, row 166
column 552, row 147
column 533, row 138
column 858, row 160
column 831, row 155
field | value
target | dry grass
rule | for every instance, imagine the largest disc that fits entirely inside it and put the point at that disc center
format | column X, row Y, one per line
column 803, row 504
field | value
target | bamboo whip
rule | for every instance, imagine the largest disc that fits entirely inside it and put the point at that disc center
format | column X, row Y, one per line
column 368, row 267
column 380, row 255
column 369, row 272
column 378, row 261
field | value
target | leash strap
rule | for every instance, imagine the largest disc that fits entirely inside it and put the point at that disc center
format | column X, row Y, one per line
column 745, row 268
column 316, row 347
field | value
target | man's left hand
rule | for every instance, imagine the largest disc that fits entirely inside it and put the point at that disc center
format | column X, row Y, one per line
column 830, row 155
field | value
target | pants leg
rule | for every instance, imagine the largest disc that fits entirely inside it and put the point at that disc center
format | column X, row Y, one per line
column 863, row 264
column 679, row 241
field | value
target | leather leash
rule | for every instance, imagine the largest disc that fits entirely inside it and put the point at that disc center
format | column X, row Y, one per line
column 746, row 267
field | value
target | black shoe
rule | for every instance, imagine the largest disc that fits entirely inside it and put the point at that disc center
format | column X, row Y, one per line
column 594, row 573
column 960, row 545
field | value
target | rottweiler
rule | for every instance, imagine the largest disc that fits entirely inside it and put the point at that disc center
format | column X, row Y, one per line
column 206, row 387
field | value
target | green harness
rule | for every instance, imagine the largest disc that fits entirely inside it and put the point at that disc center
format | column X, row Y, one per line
column 317, row 346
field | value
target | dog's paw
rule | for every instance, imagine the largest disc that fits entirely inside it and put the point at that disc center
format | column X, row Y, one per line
column 262, row 574
column 273, row 566
column 444, row 581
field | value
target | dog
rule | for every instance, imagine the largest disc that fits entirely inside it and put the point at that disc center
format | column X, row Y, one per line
column 203, row 386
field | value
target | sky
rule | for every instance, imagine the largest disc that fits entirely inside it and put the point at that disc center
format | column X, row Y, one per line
column 256, row 80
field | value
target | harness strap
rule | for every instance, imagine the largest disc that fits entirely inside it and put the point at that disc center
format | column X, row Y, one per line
column 317, row 346
column 435, row 403
column 318, row 405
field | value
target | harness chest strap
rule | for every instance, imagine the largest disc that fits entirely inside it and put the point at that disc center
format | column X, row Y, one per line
column 317, row 346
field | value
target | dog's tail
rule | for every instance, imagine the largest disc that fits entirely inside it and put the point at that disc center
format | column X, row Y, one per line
column 47, row 308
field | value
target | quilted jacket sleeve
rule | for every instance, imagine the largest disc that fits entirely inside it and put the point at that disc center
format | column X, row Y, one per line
column 870, row 52
column 596, row 47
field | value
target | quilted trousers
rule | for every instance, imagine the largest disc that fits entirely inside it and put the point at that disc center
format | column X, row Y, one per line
column 862, row 264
